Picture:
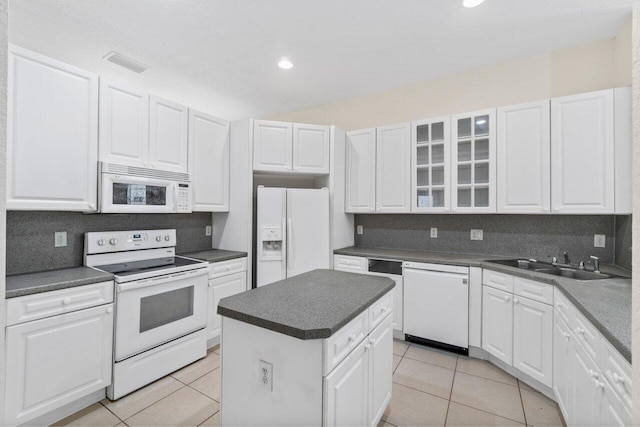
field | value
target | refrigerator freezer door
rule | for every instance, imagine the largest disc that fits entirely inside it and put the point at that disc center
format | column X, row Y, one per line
column 307, row 230
column 271, row 237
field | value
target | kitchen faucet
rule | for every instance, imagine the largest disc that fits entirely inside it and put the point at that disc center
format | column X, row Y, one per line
column 596, row 263
column 565, row 255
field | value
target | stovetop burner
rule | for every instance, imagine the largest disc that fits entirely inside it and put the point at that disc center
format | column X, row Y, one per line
column 157, row 264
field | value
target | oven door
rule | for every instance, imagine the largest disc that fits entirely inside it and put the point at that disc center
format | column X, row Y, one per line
column 132, row 194
column 154, row 311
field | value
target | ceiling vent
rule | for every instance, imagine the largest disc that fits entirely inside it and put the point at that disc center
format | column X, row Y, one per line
column 125, row 62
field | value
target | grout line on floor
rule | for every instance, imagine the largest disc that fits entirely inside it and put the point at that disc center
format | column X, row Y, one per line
column 208, row 418
column 153, row 403
column 488, row 412
column 205, row 395
column 107, row 408
column 453, row 381
column 421, row 391
column 522, row 402
column 490, row 379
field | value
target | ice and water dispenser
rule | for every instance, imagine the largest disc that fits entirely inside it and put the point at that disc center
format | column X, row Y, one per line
column 271, row 248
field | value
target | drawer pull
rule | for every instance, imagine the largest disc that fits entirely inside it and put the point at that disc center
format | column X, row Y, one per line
column 618, row 379
column 352, row 337
column 228, row 267
column 593, row 374
column 109, row 310
column 507, row 298
column 372, row 342
column 580, row 331
column 516, row 301
column 566, row 335
column 559, row 304
column 66, row 301
column 598, row 384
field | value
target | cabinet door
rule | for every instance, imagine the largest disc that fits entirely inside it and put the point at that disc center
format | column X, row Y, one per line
column 209, row 162
column 587, row 391
column 54, row 361
column 624, row 149
column 311, row 149
column 398, row 302
column 346, row 390
column 219, row 288
column 124, row 124
column 582, row 153
column 52, row 140
column 473, row 159
column 430, row 176
column 272, row 145
column 524, row 158
column 497, row 323
column 361, row 171
column 533, row 339
column 168, row 143
column 380, row 370
column 562, row 366
column 393, row 177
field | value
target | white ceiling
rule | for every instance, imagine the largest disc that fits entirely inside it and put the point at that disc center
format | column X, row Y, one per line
column 220, row 55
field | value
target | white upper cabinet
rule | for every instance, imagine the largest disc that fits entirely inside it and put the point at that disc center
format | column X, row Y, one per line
column 524, row 158
column 124, row 124
column 272, row 146
column 361, row 171
column 582, row 153
column 624, row 150
column 393, row 159
column 473, row 160
column 311, row 149
column 52, row 124
column 290, row 148
column 209, row 162
column 168, row 143
column 430, row 173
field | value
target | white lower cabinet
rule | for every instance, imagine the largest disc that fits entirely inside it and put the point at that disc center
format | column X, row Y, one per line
column 562, row 364
column 358, row 390
column 226, row 278
column 519, row 330
column 54, row 361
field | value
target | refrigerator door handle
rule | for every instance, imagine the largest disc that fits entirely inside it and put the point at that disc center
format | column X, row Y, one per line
column 285, row 246
column 290, row 249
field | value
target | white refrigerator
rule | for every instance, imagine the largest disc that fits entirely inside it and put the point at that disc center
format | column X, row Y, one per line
column 292, row 232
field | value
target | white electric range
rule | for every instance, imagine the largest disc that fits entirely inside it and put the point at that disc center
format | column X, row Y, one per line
column 161, row 304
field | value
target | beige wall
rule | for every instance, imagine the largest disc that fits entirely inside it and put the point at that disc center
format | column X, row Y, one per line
column 595, row 66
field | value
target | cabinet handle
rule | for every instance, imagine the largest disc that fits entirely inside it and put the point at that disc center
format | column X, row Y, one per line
column 580, row 331
column 598, row 384
column 66, row 301
column 507, row 298
column 559, row 304
column 593, row 374
column 566, row 335
column 384, row 309
column 372, row 342
column 618, row 379
column 92, row 205
column 516, row 301
column 109, row 310
column 367, row 347
column 352, row 338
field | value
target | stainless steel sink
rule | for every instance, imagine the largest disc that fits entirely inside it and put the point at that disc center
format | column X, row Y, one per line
column 547, row 268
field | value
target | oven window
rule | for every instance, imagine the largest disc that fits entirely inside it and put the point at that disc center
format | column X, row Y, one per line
column 139, row 194
column 162, row 309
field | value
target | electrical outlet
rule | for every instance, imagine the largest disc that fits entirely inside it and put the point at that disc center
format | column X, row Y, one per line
column 476, row 235
column 60, row 239
column 359, row 229
column 266, row 375
column 599, row 240
column 434, row 233
column 207, row 230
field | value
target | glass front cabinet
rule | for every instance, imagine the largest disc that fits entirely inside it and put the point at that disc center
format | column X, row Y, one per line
column 473, row 162
column 430, row 171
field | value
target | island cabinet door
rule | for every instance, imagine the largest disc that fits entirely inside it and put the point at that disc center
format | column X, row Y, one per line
column 346, row 390
column 219, row 288
column 380, row 369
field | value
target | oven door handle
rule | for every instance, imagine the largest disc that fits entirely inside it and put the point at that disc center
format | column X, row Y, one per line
column 155, row 281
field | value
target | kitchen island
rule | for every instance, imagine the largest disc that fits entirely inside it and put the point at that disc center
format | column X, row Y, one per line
column 314, row 349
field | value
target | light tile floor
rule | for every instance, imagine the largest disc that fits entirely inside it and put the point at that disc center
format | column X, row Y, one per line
column 430, row 388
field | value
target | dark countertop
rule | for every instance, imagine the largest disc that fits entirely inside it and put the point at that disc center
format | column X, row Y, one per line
column 215, row 255
column 606, row 303
column 312, row 305
column 44, row 281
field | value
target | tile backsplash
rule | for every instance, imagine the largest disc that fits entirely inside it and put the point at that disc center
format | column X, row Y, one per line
column 623, row 241
column 30, row 235
column 531, row 236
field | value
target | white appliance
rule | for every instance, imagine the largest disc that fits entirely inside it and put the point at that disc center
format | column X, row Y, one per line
column 436, row 305
column 129, row 189
column 160, row 300
column 292, row 232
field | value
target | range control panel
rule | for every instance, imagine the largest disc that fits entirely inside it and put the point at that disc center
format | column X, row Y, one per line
column 118, row 241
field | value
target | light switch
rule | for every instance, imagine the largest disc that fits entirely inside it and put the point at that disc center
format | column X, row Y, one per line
column 359, row 229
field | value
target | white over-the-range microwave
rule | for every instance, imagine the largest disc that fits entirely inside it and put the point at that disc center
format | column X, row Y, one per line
column 131, row 189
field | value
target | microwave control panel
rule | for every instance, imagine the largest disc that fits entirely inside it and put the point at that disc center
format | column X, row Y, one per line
column 183, row 204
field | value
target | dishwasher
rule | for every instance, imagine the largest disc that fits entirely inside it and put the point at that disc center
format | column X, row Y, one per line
column 436, row 305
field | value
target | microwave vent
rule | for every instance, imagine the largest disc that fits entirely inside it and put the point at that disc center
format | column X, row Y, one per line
column 143, row 172
column 123, row 61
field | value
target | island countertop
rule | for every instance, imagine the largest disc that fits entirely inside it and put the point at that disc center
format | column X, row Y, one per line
column 312, row 305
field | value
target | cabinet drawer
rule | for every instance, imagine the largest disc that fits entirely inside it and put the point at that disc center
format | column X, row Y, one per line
column 46, row 304
column 537, row 291
column 223, row 268
column 349, row 263
column 618, row 371
column 587, row 336
column 380, row 309
column 564, row 309
column 497, row 280
column 340, row 344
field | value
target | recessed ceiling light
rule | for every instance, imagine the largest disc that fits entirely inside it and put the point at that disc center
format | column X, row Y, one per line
column 471, row 3
column 285, row 64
